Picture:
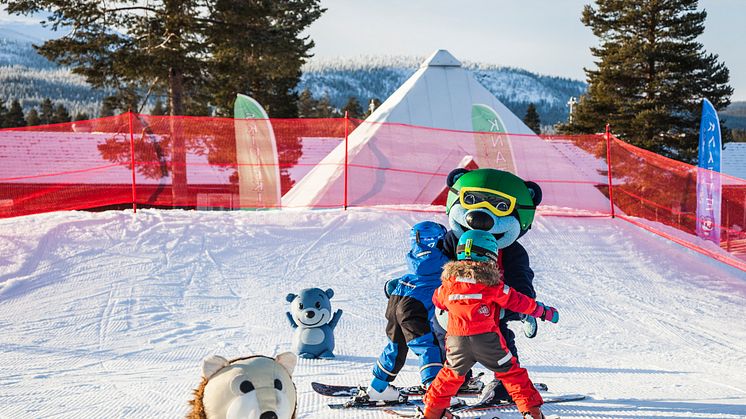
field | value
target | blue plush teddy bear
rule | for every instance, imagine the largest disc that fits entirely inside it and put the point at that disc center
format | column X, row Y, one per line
column 311, row 316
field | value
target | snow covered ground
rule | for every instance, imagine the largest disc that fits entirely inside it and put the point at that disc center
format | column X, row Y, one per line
column 109, row 314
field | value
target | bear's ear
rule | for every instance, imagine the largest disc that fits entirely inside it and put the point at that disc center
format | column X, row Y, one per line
column 535, row 191
column 212, row 364
column 454, row 175
column 290, row 297
column 329, row 293
column 287, row 360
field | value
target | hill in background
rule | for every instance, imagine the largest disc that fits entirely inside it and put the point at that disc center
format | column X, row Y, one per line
column 735, row 115
column 378, row 77
column 29, row 77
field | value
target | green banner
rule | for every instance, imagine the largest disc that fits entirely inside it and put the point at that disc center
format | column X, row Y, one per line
column 493, row 144
column 256, row 155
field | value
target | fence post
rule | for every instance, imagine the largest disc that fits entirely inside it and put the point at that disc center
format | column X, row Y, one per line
column 346, row 168
column 608, row 163
column 132, row 161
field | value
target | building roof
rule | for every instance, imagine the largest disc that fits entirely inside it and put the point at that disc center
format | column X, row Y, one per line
column 734, row 160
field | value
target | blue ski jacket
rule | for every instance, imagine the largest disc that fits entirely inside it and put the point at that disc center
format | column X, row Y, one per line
column 425, row 267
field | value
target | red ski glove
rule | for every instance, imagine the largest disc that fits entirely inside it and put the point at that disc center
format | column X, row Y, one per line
column 545, row 313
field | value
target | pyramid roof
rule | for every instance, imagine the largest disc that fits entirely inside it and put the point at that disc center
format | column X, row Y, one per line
column 443, row 95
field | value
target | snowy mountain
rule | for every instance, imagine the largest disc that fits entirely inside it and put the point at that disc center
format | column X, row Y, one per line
column 377, row 77
column 735, row 115
column 26, row 75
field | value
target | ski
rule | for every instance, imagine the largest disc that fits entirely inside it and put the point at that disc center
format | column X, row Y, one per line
column 366, row 404
column 562, row 398
column 413, row 391
column 410, row 413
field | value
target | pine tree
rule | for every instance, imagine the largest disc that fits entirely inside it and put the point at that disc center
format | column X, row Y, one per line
column 108, row 107
column 532, row 119
column 353, row 108
column 3, row 115
column 307, row 104
column 61, row 115
column 81, row 116
column 46, row 113
column 126, row 46
column 324, row 109
column 32, row 118
column 158, row 108
column 258, row 48
column 14, row 118
column 652, row 75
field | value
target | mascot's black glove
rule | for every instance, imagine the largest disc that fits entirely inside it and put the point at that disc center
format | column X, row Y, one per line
column 390, row 287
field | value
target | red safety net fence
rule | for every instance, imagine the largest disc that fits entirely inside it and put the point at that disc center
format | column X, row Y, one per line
column 220, row 163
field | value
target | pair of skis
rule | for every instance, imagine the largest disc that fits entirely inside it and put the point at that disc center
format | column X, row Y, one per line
column 405, row 401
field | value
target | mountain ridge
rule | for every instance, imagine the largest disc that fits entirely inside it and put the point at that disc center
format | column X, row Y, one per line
column 27, row 76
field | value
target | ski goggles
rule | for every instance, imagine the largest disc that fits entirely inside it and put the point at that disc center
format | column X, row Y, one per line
column 498, row 203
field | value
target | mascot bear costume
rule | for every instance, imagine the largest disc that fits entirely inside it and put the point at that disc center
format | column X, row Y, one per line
column 503, row 204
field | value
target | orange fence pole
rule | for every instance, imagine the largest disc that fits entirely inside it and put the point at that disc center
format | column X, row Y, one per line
column 346, row 169
column 132, row 156
column 608, row 163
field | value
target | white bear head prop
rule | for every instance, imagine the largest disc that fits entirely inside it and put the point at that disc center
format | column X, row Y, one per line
column 256, row 387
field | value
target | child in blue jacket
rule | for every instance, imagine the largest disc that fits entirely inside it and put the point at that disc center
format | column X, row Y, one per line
column 410, row 313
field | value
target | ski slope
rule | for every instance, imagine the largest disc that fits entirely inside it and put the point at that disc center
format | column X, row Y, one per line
column 109, row 314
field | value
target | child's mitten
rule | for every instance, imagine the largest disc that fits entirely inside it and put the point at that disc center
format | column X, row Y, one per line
column 545, row 313
column 390, row 287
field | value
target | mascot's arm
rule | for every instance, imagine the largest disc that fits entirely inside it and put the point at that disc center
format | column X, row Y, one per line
column 450, row 241
column 290, row 319
column 518, row 273
column 335, row 319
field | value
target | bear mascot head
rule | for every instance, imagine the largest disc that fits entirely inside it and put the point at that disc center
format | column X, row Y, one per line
column 256, row 387
column 491, row 200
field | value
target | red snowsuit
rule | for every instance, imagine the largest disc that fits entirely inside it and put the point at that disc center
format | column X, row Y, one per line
column 473, row 294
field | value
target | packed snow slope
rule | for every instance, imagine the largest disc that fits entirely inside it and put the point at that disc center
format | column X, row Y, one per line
column 109, row 314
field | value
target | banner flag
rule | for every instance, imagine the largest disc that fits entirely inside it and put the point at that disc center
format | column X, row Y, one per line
column 708, row 175
column 256, row 155
column 493, row 144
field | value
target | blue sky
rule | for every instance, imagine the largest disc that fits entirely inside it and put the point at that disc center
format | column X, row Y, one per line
column 543, row 36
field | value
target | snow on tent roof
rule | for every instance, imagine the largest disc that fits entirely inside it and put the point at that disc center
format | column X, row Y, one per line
column 445, row 96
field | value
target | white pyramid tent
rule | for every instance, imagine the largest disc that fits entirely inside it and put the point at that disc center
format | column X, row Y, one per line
column 441, row 95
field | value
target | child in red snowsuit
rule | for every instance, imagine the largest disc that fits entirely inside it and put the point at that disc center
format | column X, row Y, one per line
column 473, row 293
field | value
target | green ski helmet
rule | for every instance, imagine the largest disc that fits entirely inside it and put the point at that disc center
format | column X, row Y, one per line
column 500, row 192
column 477, row 245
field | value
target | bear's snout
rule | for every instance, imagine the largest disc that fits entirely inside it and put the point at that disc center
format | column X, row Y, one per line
column 310, row 315
column 268, row 415
column 478, row 220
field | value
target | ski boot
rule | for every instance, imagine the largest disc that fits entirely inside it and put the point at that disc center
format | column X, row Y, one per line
column 472, row 384
column 494, row 392
column 420, row 414
column 534, row 413
column 389, row 395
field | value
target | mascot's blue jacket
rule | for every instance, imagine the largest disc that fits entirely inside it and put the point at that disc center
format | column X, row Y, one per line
column 410, row 312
